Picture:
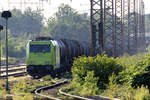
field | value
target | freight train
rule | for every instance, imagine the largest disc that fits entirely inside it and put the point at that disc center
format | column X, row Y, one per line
column 47, row 56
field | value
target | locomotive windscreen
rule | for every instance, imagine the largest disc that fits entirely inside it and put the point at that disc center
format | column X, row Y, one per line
column 39, row 48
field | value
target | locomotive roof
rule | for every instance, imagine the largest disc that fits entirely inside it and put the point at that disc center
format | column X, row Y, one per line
column 42, row 39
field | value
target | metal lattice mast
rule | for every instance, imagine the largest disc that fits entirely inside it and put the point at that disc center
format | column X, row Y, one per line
column 96, row 35
column 132, row 35
column 136, row 24
column 140, row 25
column 125, row 24
column 119, row 27
column 109, row 30
column 143, row 24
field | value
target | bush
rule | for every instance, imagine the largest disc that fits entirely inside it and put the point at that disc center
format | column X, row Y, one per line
column 137, row 74
column 90, row 85
column 102, row 67
column 89, row 88
column 124, row 92
column 105, row 76
column 115, row 90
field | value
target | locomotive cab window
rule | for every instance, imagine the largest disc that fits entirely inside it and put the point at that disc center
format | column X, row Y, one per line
column 39, row 48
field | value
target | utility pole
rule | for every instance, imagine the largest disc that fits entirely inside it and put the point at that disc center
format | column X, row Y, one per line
column 1, row 28
column 6, row 15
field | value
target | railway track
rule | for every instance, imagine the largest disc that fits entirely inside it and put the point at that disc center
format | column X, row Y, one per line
column 54, row 89
column 12, row 66
column 13, row 70
column 14, row 75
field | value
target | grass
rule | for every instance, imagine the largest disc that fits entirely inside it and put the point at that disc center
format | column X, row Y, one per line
column 128, row 60
column 125, row 92
column 22, row 88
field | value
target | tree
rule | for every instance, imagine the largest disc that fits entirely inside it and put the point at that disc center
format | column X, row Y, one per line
column 67, row 23
column 29, row 22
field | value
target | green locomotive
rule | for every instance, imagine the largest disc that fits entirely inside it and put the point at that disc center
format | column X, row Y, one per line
column 50, row 56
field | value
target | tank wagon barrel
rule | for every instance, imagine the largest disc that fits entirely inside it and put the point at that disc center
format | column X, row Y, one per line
column 57, row 60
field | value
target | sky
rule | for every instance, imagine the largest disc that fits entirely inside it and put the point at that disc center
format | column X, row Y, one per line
column 51, row 5
column 147, row 6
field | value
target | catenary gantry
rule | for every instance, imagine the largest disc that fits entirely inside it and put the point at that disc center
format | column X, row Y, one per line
column 117, row 26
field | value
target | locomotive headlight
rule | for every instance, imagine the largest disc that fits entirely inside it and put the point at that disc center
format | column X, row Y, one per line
column 47, row 63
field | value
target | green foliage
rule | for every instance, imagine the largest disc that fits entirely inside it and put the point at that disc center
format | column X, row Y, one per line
column 102, row 66
column 16, row 49
column 29, row 22
column 124, row 92
column 68, row 24
column 26, row 96
column 22, row 89
column 73, row 88
column 92, row 73
column 90, row 85
column 142, row 94
column 126, row 60
column 47, row 78
column 115, row 90
column 137, row 74
column 16, row 46
column 137, row 94
column 67, row 75
column 2, row 88
column 28, row 86
column 105, row 76
column 89, row 88
column 127, row 82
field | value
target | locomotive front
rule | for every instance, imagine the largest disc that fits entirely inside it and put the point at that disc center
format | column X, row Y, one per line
column 39, row 58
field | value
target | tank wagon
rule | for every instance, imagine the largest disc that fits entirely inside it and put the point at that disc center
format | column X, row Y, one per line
column 45, row 55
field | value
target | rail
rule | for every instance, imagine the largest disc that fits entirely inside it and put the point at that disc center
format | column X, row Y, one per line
column 38, row 90
column 74, row 96
column 11, row 66
column 14, row 74
column 13, row 70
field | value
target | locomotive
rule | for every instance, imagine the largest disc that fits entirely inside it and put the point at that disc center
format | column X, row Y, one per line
column 47, row 56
